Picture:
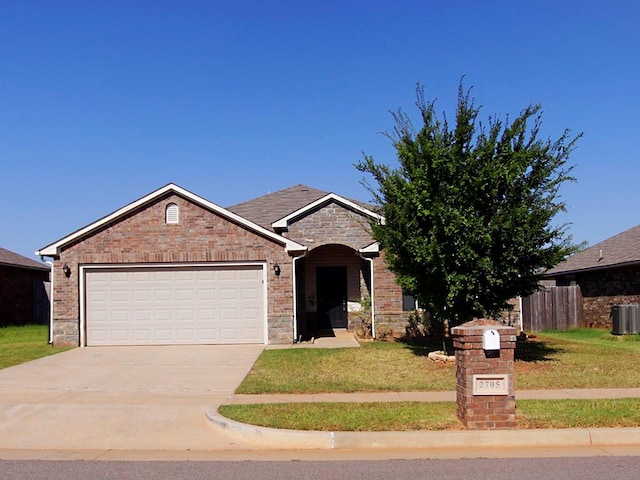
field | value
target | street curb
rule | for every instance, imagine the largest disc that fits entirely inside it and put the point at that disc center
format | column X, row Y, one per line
column 299, row 439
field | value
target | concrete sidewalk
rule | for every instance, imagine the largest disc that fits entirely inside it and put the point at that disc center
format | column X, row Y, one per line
column 564, row 394
column 268, row 438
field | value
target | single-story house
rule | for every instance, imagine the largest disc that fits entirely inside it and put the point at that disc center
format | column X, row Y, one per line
column 23, row 298
column 175, row 268
column 607, row 273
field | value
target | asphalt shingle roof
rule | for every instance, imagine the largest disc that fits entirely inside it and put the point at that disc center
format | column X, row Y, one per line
column 621, row 249
column 269, row 208
column 14, row 260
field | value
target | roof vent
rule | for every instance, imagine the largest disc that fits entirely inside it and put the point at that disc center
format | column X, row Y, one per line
column 172, row 214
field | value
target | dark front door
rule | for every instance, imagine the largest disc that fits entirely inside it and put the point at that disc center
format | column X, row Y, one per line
column 331, row 284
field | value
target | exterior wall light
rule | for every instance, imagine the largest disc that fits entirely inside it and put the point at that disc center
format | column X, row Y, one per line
column 276, row 269
column 66, row 270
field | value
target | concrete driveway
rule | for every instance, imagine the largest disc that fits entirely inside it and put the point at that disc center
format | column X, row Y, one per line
column 130, row 398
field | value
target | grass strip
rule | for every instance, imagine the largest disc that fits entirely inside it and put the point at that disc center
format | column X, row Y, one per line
column 411, row 416
column 351, row 417
column 25, row 343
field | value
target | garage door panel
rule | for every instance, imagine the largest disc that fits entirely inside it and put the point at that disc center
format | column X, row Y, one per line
column 147, row 306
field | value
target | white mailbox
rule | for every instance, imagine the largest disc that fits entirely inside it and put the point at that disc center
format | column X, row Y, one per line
column 491, row 340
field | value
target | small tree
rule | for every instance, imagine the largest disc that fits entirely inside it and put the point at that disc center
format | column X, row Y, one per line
column 469, row 211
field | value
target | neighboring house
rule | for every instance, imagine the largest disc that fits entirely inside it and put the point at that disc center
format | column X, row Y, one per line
column 23, row 298
column 174, row 268
column 608, row 274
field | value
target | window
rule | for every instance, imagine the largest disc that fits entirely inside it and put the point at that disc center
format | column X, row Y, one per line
column 409, row 302
column 172, row 214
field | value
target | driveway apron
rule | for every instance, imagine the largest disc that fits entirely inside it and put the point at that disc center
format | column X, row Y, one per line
column 133, row 398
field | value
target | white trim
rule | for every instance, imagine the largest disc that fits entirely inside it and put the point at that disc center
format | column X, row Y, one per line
column 172, row 214
column 96, row 266
column 372, row 296
column 83, row 307
column 52, row 276
column 373, row 248
column 54, row 249
column 284, row 222
column 295, row 295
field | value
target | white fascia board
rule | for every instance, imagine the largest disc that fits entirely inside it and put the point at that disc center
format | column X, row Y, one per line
column 284, row 222
column 54, row 248
column 370, row 249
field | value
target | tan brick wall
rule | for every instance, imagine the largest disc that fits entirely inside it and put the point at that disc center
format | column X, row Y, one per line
column 200, row 237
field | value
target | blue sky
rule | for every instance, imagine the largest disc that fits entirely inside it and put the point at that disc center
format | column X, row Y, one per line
column 102, row 102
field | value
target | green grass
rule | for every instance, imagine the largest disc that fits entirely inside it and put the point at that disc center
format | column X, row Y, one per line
column 553, row 360
column 409, row 416
column 22, row 344
column 401, row 416
column 584, row 358
column 376, row 366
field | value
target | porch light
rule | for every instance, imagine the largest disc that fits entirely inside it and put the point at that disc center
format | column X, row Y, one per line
column 276, row 269
column 66, row 270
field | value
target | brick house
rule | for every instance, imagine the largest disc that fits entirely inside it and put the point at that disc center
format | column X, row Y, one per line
column 23, row 299
column 174, row 268
column 607, row 273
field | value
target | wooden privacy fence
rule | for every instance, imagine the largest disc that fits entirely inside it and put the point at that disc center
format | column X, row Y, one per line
column 554, row 308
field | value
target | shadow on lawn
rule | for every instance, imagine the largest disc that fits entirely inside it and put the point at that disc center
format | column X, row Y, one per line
column 424, row 345
column 526, row 350
column 535, row 351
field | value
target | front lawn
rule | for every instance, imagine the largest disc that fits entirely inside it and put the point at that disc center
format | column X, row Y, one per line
column 555, row 360
column 22, row 344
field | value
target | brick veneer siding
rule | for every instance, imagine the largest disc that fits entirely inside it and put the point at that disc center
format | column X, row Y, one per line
column 143, row 237
column 388, row 299
column 484, row 412
column 333, row 225
column 17, row 294
column 602, row 289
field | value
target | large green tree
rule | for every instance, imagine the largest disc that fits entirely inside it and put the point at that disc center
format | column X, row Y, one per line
column 469, row 211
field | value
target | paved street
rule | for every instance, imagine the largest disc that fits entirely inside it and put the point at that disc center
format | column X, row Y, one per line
column 572, row 468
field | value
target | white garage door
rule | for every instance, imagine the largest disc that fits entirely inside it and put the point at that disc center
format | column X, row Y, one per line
column 176, row 305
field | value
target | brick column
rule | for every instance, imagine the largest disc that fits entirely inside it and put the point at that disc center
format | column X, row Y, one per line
column 493, row 405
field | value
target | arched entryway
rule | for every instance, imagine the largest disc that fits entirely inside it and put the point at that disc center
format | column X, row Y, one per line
column 332, row 282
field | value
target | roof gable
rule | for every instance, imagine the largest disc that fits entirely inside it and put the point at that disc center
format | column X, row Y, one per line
column 283, row 223
column 276, row 209
column 12, row 259
column 54, row 248
column 620, row 250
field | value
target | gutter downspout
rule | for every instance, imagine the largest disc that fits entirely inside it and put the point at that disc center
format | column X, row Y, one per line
column 295, row 295
column 520, row 314
column 51, row 304
column 373, row 304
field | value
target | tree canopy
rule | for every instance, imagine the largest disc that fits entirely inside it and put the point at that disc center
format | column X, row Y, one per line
column 469, row 211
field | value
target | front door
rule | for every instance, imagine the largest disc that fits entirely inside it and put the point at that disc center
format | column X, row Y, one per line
column 331, row 284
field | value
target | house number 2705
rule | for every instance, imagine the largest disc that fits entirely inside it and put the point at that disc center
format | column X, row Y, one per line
column 490, row 385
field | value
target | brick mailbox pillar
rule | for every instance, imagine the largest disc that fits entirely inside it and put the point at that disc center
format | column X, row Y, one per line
column 485, row 385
